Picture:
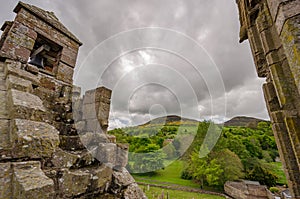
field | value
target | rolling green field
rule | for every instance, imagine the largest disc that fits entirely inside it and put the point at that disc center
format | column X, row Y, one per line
column 169, row 175
column 154, row 192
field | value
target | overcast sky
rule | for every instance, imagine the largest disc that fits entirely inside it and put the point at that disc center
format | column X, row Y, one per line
column 161, row 57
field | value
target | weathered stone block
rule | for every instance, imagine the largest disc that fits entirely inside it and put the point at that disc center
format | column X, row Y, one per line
column 291, row 43
column 13, row 63
column 63, row 159
column 18, row 27
column 71, row 142
column 27, row 106
column 25, row 99
column 271, row 97
column 93, row 125
column 264, row 19
column 292, row 124
column 9, row 50
column 5, row 181
column 278, row 78
column 93, row 139
column 3, row 105
column 274, row 6
column 32, row 69
column 101, row 176
column 13, row 82
column 4, row 135
column 77, row 109
column 270, row 40
column 20, row 39
column 65, row 73
column 29, row 181
column 286, row 10
column 33, row 139
column 120, row 180
column 96, row 95
column 106, row 153
column 67, row 159
column 3, row 85
column 89, row 111
column 133, row 191
column 23, row 74
column 73, row 183
column 122, row 155
column 276, row 56
column 69, row 56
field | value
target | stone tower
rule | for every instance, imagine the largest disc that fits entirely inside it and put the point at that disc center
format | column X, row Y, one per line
column 53, row 143
column 273, row 28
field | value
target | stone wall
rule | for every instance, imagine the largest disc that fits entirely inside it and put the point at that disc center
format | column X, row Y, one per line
column 53, row 143
column 272, row 28
column 247, row 190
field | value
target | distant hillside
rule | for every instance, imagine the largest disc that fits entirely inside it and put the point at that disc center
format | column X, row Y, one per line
column 169, row 119
column 244, row 121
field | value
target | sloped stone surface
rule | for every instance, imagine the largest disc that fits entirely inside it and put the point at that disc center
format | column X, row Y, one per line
column 122, row 178
column 29, row 181
column 14, row 82
column 24, row 105
column 133, row 191
column 33, row 139
column 66, row 159
column 4, row 132
column 5, row 180
column 102, row 176
column 73, row 183
column 3, row 105
column 27, row 100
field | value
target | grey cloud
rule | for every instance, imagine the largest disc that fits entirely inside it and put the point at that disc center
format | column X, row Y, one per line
column 212, row 23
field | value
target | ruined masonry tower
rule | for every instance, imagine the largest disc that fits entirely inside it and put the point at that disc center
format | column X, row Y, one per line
column 49, row 136
column 273, row 30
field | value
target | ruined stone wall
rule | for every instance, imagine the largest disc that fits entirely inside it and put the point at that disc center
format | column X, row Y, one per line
column 53, row 143
column 272, row 28
column 245, row 190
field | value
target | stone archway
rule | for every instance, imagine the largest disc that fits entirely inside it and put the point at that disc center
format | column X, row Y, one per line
column 272, row 28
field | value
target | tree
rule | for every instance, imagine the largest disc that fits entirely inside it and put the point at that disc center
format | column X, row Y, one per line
column 263, row 176
column 231, row 164
column 146, row 159
column 205, row 170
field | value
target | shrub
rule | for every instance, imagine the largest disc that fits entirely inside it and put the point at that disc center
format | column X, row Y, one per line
column 274, row 189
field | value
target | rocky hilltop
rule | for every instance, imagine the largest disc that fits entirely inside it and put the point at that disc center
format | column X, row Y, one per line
column 169, row 119
column 243, row 121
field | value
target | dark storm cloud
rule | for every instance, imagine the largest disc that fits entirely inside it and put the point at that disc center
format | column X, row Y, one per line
column 212, row 23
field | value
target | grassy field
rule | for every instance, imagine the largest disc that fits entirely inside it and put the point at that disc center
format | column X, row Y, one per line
column 278, row 169
column 154, row 192
column 170, row 174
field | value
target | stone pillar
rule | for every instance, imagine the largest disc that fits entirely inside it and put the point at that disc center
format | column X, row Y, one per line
column 53, row 144
column 272, row 27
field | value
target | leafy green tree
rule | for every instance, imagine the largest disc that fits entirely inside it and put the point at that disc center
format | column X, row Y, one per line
column 263, row 176
column 231, row 164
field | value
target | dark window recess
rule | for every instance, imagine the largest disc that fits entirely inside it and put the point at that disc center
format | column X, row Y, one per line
column 45, row 54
